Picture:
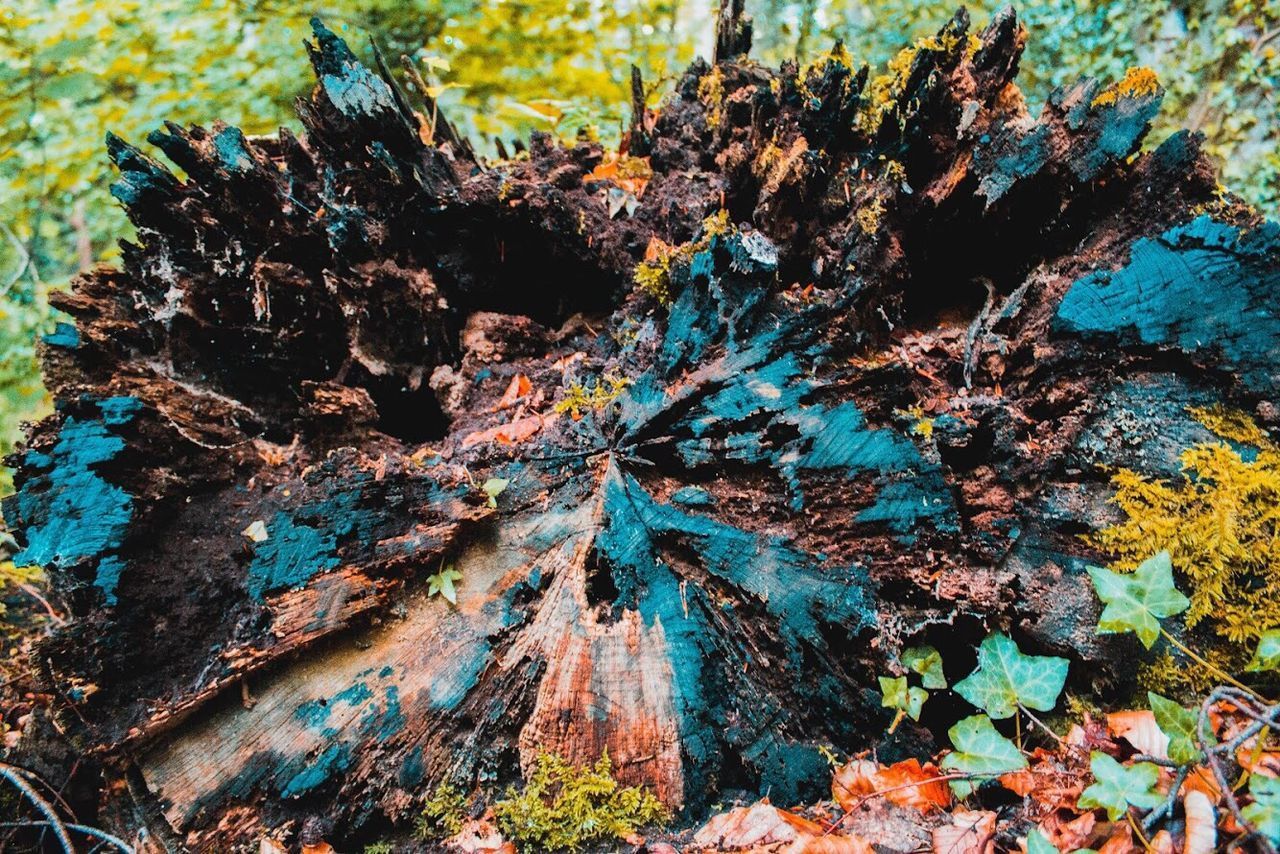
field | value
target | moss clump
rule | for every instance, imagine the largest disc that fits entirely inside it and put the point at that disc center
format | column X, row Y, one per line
column 443, row 813
column 653, row 275
column 1220, row 524
column 592, row 397
column 563, row 807
column 869, row 215
column 1137, row 83
column 711, row 94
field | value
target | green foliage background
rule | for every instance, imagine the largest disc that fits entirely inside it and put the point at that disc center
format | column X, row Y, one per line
column 72, row 69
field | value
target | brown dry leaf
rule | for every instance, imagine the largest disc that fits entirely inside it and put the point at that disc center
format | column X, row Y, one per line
column 1052, row 780
column 1120, row 841
column 1139, row 729
column 1201, row 779
column 271, row 846
column 906, row 783
column 479, row 836
column 1066, row 831
column 320, row 847
column 765, row 829
column 657, row 249
column 1202, row 824
column 516, row 389
column 970, row 832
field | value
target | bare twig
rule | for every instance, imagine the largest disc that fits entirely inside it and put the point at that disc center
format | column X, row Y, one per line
column 17, row 777
column 93, row 832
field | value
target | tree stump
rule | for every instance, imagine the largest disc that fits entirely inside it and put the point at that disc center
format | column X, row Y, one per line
column 891, row 336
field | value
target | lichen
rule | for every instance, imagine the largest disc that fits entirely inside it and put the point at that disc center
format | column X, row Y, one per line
column 652, row 276
column 1220, row 524
column 442, row 814
column 1138, row 82
column 565, row 807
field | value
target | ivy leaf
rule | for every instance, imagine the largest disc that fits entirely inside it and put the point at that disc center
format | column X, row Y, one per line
column 1005, row 678
column 1180, row 725
column 1037, row 844
column 1116, row 787
column 1135, row 602
column 896, row 695
column 492, row 488
column 1264, row 812
column 980, row 750
column 926, row 661
column 1267, row 655
column 442, row 584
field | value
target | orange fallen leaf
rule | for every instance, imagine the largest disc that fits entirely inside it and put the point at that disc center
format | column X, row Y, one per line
column 479, row 836
column 759, row 824
column 1120, row 841
column 516, row 389
column 970, row 832
column 1139, row 729
column 906, row 783
column 1067, row 831
column 320, row 847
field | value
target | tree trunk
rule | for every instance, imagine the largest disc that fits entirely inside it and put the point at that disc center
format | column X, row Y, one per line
column 873, row 406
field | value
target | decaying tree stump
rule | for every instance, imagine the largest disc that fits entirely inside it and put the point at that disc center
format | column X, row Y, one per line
column 876, row 407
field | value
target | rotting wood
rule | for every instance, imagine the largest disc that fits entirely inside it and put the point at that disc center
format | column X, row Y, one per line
column 273, row 420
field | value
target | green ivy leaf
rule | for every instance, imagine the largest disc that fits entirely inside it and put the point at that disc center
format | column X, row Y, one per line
column 1005, row 678
column 895, row 694
column 979, row 750
column 1267, row 655
column 442, row 584
column 1116, row 787
column 1264, row 812
column 926, row 661
column 1037, row 844
column 1180, row 725
column 1135, row 602
column 493, row 487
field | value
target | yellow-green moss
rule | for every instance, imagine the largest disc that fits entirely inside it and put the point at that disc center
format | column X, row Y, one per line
column 653, row 276
column 563, row 807
column 1220, row 524
column 869, row 216
column 593, row 396
column 711, row 94
column 443, row 813
column 1137, row 83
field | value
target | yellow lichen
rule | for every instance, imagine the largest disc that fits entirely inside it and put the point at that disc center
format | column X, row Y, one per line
column 1220, row 524
column 881, row 94
column 1138, row 82
column 592, row 396
column 838, row 55
column 653, row 277
column 923, row 426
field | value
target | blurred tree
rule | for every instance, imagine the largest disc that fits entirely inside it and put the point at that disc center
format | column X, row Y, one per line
column 72, row 69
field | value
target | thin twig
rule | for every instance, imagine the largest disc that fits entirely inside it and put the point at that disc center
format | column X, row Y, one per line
column 16, row 776
column 93, row 832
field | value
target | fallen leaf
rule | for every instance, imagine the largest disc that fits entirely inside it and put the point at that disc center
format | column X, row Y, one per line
column 970, row 832
column 320, row 847
column 256, row 532
column 759, row 824
column 906, row 783
column 1140, row 729
column 516, row 389
column 1068, row 831
column 271, row 846
column 479, row 836
column 516, row 431
column 1202, row 824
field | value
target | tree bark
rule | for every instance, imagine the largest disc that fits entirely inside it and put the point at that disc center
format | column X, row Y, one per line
column 878, row 410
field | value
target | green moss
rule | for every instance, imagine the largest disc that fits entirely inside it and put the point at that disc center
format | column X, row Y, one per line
column 711, row 94
column 443, row 813
column 593, row 396
column 379, row 848
column 653, row 275
column 1220, row 524
column 563, row 807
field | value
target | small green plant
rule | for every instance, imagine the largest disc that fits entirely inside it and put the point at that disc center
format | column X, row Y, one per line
column 442, row 583
column 896, row 691
column 379, row 848
column 1117, row 787
column 492, row 488
column 443, row 813
column 563, row 807
column 980, row 752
